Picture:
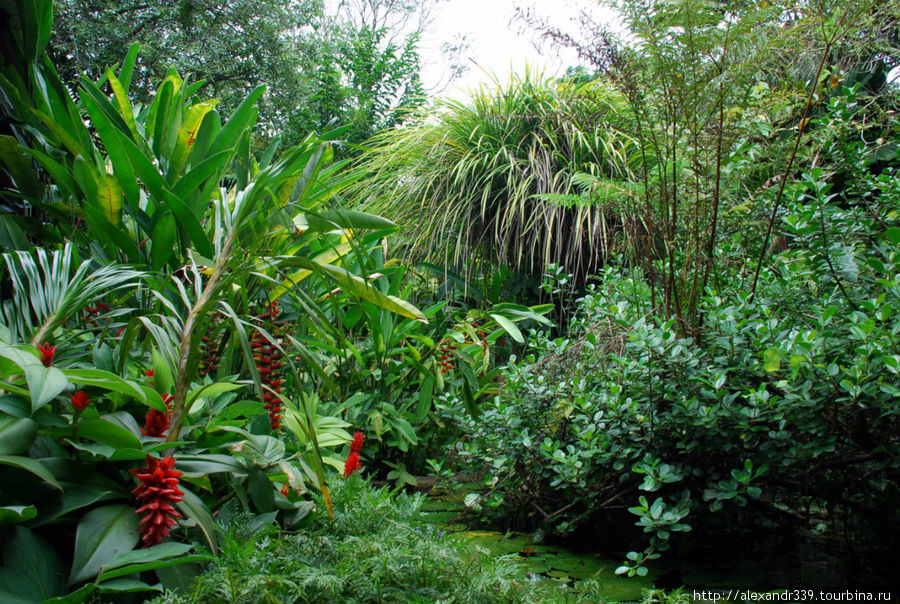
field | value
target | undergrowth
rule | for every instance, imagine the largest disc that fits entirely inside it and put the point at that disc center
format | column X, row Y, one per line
column 376, row 549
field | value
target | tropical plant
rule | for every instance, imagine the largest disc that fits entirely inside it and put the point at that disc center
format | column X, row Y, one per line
column 164, row 186
column 712, row 89
column 355, row 63
column 376, row 548
column 530, row 173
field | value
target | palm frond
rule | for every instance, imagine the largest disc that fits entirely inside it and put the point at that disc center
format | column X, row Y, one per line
column 494, row 179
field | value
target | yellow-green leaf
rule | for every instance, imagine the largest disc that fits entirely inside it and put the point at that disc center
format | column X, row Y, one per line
column 772, row 360
column 109, row 198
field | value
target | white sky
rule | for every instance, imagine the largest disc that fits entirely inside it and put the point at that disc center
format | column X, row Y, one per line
column 496, row 44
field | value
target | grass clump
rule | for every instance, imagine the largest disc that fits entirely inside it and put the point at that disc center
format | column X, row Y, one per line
column 376, row 549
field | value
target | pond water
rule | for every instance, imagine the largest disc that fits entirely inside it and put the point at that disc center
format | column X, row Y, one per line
column 557, row 570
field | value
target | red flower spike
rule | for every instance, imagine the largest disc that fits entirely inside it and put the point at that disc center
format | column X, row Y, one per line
column 47, row 353
column 357, row 442
column 156, row 493
column 80, row 400
column 155, row 424
column 352, row 464
column 286, row 489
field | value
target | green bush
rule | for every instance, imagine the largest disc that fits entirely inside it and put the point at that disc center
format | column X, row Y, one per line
column 788, row 403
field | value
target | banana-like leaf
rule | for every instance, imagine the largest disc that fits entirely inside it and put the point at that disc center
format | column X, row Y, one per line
column 357, row 287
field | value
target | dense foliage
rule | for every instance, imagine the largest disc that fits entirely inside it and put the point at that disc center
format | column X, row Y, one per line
column 191, row 326
column 522, row 176
column 329, row 64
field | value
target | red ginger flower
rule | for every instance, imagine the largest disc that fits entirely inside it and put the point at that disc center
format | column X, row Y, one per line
column 47, row 353
column 357, row 442
column 352, row 464
column 157, row 492
column 155, row 424
column 80, row 400
column 149, row 373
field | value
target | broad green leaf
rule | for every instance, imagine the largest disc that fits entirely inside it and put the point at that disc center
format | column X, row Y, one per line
column 43, row 385
column 239, row 121
column 262, row 491
column 403, row 427
column 162, row 239
column 128, row 66
column 426, row 392
column 16, row 514
column 359, row 288
column 211, row 390
column 37, row 17
column 193, row 507
column 200, row 173
column 101, row 536
column 327, row 257
column 209, row 464
column 32, row 570
column 110, row 234
column 105, row 380
column 158, row 556
column 108, row 433
column 509, row 327
column 346, row 219
column 75, row 497
column 893, row 235
column 18, row 164
column 187, row 134
column 16, row 434
column 30, row 465
column 124, row 105
column 112, row 139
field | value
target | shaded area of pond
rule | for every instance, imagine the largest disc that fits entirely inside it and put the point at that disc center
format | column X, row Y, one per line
column 557, row 570
column 725, row 559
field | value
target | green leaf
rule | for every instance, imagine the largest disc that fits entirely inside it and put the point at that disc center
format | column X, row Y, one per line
column 19, row 166
column 509, row 327
column 211, row 390
column 201, row 465
column 102, row 535
column 32, row 571
column 106, row 380
column 163, row 237
column 262, row 492
column 239, row 121
column 359, row 288
column 16, row 434
column 37, row 23
column 108, row 433
column 772, row 360
column 30, row 465
column 404, row 427
column 158, row 556
column 15, row 514
column 193, row 507
column 347, row 219
column 128, row 66
column 893, row 235
column 426, row 392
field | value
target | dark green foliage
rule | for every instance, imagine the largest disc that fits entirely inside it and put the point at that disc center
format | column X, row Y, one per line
column 787, row 404
column 319, row 67
column 375, row 549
